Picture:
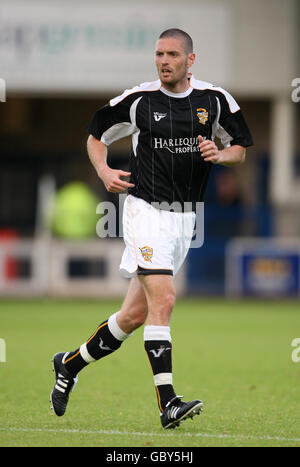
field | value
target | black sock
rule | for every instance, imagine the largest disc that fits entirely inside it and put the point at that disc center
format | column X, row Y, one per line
column 107, row 338
column 160, row 357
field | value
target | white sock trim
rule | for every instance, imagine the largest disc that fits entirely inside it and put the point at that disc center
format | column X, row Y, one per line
column 157, row 333
column 163, row 378
column 115, row 329
column 85, row 355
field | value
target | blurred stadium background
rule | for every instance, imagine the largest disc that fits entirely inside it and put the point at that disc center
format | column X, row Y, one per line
column 61, row 60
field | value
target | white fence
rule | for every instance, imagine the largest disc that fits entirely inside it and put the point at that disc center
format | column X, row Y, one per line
column 49, row 265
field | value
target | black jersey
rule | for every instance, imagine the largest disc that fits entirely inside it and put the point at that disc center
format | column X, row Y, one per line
column 165, row 162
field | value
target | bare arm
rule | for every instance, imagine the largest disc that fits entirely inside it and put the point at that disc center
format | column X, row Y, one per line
column 111, row 178
column 231, row 156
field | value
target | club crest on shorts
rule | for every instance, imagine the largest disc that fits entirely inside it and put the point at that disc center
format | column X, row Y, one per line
column 202, row 114
column 147, row 253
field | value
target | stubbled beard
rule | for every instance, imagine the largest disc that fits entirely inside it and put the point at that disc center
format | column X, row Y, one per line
column 173, row 82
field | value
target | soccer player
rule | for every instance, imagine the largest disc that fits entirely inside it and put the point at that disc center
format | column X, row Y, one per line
column 173, row 122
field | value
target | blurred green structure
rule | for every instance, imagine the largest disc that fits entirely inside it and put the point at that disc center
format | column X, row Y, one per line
column 73, row 212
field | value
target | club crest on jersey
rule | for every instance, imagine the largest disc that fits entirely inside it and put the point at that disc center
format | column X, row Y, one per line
column 147, row 253
column 158, row 116
column 202, row 114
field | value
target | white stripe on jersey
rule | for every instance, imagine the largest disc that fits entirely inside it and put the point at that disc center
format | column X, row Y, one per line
column 201, row 85
column 218, row 130
column 116, row 132
column 123, row 129
column 148, row 86
column 135, row 134
column 194, row 83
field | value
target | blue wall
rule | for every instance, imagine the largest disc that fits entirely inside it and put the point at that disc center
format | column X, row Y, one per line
column 225, row 217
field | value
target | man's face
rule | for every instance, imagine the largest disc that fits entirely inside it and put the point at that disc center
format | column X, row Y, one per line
column 172, row 61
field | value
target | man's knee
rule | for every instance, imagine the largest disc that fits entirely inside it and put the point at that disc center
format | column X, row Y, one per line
column 168, row 301
column 133, row 318
column 161, row 310
column 138, row 317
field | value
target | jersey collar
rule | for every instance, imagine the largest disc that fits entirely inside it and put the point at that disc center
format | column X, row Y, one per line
column 177, row 94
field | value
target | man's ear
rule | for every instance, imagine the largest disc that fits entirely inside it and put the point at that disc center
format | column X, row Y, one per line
column 191, row 59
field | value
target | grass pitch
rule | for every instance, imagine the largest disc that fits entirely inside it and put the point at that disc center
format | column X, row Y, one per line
column 234, row 355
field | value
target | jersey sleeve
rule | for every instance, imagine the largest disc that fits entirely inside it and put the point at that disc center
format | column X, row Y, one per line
column 230, row 126
column 114, row 121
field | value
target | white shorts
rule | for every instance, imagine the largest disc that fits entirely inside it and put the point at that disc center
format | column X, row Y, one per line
column 156, row 241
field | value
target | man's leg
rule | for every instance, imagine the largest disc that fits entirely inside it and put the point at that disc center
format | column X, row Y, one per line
column 160, row 294
column 110, row 334
column 107, row 338
column 134, row 310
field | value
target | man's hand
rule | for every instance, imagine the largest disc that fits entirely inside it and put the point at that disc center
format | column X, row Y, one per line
column 111, row 178
column 230, row 156
column 209, row 150
column 113, row 181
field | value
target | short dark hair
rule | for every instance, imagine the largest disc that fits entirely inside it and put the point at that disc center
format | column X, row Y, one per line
column 174, row 32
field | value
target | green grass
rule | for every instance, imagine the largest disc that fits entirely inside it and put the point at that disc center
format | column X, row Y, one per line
column 234, row 355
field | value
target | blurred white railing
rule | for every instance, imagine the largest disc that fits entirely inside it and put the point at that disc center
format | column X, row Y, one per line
column 48, row 269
